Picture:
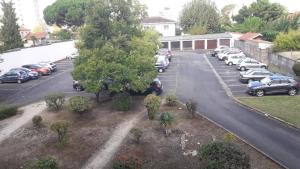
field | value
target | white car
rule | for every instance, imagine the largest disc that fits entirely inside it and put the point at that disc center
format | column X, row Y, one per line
column 233, row 59
column 48, row 64
column 221, row 48
column 1, row 59
column 73, row 55
column 223, row 54
column 162, row 63
column 249, row 63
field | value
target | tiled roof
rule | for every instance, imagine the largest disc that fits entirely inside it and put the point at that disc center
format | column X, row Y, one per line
column 38, row 35
column 197, row 37
column 250, row 36
column 157, row 19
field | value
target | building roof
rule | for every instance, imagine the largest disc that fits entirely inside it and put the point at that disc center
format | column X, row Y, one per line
column 197, row 37
column 250, row 36
column 22, row 28
column 157, row 19
column 38, row 35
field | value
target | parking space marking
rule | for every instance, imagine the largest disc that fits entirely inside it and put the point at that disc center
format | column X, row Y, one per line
column 236, row 85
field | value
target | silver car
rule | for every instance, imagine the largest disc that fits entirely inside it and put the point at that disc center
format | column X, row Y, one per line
column 254, row 75
column 248, row 63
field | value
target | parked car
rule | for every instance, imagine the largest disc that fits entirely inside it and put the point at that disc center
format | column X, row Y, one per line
column 51, row 65
column 162, row 63
column 73, row 55
column 14, row 77
column 248, row 63
column 154, row 87
column 32, row 74
column 219, row 49
column 223, row 55
column 274, row 85
column 254, row 75
column 38, row 68
column 233, row 59
column 165, row 52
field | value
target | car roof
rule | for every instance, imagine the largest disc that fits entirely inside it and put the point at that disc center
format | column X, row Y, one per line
column 280, row 77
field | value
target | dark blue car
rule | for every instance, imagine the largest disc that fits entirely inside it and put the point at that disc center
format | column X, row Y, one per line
column 274, row 85
column 14, row 77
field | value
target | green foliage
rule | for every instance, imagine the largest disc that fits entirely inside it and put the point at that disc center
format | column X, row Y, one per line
column 262, row 9
column 7, row 111
column 9, row 32
column 122, row 101
column 202, row 13
column 152, row 103
column 66, row 12
column 171, row 100
column 251, row 24
column 166, row 119
column 225, row 21
column 296, row 69
column 127, row 162
column 55, row 101
column 114, row 47
column 288, row 41
column 229, row 137
column 61, row 128
column 44, row 163
column 63, row 34
column 191, row 107
column 79, row 104
column 223, row 155
column 137, row 134
column 36, row 120
column 197, row 30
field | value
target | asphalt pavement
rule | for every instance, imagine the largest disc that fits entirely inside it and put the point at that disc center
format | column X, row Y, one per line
column 196, row 81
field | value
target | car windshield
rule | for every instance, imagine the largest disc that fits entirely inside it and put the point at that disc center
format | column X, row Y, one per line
column 265, row 81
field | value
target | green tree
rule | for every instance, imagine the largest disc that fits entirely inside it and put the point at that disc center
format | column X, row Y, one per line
column 10, row 29
column 63, row 34
column 252, row 24
column 66, row 12
column 202, row 13
column 288, row 41
column 114, row 51
column 263, row 9
column 225, row 21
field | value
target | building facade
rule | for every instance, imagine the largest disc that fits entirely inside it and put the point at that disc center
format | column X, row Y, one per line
column 165, row 27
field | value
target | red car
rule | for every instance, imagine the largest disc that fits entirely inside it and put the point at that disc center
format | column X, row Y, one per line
column 38, row 68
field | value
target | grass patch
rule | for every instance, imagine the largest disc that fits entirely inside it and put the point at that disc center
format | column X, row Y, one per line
column 286, row 108
column 7, row 111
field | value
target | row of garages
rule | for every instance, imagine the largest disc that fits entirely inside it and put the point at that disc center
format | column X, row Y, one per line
column 197, row 42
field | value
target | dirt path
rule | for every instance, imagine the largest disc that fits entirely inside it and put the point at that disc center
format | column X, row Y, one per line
column 28, row 112
column 104, row 155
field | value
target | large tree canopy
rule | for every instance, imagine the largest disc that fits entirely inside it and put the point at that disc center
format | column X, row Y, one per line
column 66, row 12
column 10, row 30
column 113, row 46
column 261, row 8
column 202, row 14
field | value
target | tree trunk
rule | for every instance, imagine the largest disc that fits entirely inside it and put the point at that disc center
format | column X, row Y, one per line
column 97, row 96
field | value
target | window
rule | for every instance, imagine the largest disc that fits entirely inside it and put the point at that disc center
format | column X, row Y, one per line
column 166, row 27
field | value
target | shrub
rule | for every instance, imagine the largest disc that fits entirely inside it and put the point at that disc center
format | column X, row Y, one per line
column 79, row 104
column 223, row 155
column 127, row 162
column 7, row 111
column 171, row 100
column 229, row 137
column 55, row 101
column 152, row 103
column 61, row 128
column 36, row 120
column 288, row 41
column 122, row 101
column 137, row 134
column 166, row 119
column 296, row 69
column 44, row 163
column 191, row 107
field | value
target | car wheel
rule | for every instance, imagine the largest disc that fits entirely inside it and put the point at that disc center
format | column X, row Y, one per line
column 40, row 74
column 78, row 88
column 264, row 67
column 243, row 68
column 260, row 93
column 19, row 81
column 292, row 92
column 160, row 70
column 230, row 63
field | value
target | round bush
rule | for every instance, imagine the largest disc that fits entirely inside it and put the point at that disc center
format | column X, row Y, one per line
column 296, row 69
column 61, row 129
column 152, row 103
column 36, row 120
column 55, row 101
column 171, row 100
column 122, row 102
column 79, row 104
column 223, row 155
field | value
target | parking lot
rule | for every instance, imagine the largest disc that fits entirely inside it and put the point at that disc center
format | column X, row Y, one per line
column 11, row 92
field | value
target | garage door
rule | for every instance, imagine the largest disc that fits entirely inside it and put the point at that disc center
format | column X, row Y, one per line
column 225, row 42
column 212, row 44
column 199, row 44
column 187, row 45
column 175, row 45
column 165, row 45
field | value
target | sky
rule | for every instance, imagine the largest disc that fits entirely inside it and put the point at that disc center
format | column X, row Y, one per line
column 157, row 7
